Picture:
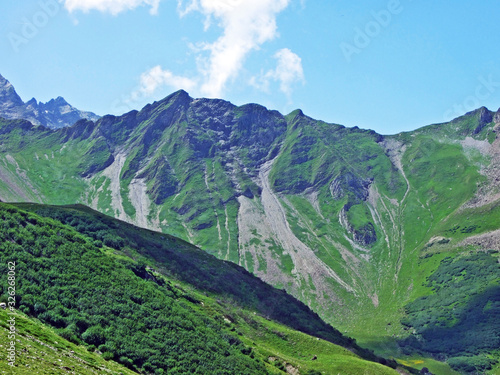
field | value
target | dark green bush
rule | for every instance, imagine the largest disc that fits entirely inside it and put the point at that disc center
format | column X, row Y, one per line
column 462, row 318
column 477, row 364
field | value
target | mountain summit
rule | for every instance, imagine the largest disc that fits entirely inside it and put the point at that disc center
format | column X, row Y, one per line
column 56, row 113
column 8, row 96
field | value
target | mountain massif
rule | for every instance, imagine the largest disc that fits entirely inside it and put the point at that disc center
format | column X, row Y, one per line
column 392, row 239
column 56, row 113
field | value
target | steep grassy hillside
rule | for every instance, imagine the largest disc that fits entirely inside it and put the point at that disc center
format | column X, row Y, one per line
column 97, row 289
column 352, row 223
column 41, row 350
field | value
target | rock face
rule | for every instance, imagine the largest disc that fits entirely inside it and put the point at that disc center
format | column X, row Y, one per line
column 485, row 117
column 8, row 96
column 56, row 113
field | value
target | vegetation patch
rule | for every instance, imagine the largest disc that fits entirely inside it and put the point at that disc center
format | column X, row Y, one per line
column 461, row 319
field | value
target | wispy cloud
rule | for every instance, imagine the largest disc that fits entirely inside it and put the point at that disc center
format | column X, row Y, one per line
column 110, row 6
column 156, row 77
column 246, row 25
column 288, row 71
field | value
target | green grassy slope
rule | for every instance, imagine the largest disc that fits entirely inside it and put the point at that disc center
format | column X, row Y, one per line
column 40, row 350
column 98, row 290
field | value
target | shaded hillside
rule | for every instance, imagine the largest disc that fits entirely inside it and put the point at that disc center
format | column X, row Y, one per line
column 462, row 317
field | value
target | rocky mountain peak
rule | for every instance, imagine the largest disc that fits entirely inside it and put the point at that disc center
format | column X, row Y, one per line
column 56, row 113
column 57, row 101
column 8, row 95
column 496, row 118
column 296, row 113
column 485, row 116
column 179, row 97
column 32, row 102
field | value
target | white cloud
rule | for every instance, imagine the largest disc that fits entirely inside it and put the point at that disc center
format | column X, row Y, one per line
column 110, row 6
column 150, row 81
column 288, row 72
column 246, row 24
column 156, row 77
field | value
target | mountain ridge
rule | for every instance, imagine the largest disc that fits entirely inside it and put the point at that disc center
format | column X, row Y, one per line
column 349, row 221
column 55, row 113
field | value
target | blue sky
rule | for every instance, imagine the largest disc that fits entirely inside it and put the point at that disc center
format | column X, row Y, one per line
column 390, row 65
